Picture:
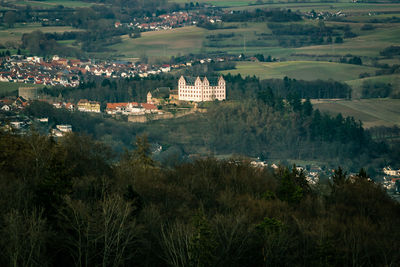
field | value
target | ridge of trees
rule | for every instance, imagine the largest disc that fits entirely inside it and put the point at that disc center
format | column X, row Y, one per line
column 274, row 15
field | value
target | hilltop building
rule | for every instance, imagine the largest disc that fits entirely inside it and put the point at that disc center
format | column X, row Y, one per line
column 197, row 90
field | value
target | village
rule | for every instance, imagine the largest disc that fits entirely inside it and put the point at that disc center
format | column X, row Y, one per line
column 69, row 72
column 169, row 21
column 132, row 111
column 161, row 103
column 390, row 178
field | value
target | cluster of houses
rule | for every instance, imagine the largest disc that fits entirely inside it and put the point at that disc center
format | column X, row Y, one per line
column 128, row 108
column 34, row 70
column 131, row 108
column 391, row 180
column 83, row 105
column 169, row 21
column 68, row 72
column 312, row 173
column 9, row 110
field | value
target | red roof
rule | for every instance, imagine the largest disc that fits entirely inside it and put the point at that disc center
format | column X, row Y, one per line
column 148, row 106
column 116, row 105
column 74, row 61
column 69, row 105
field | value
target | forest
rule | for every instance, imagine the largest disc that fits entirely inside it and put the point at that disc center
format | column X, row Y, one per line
column 71, row 203
column 265, row 119
column 265, row 125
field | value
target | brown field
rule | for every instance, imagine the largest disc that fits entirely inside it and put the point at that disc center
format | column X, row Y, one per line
column 372, row 112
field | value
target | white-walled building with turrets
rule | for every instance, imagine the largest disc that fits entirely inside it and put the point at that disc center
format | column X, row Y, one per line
column 197, row 90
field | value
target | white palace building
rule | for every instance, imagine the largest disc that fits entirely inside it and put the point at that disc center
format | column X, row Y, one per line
column 197, row 90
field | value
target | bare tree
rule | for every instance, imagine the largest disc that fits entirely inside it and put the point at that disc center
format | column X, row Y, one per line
column 104, row 233
column 176, row 243
column 24, row 236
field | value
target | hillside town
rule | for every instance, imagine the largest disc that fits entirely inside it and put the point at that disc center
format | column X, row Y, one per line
column 69, row 72
column 134, row 111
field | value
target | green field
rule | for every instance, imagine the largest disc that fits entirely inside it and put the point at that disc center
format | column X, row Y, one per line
column 162, row 43
column 345, row 6
column 15, row 34
column 253, row 38
column 52, row 3
column 6, row 87
column 302, row 70
column 394, row 80
column 372, row 112
column 369, row 44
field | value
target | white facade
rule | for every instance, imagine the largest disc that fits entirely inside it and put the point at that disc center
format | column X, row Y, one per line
column 194, row 89
column 66, row 128
column 389, row 171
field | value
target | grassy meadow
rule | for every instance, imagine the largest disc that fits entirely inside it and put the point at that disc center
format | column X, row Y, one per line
column 52, row 3
column 301, row 70
column 393, row 79
column 370, row 43
column 14, row 34
column 255, row 37
column 347, row 7
column 372, row 112
column 162, row 44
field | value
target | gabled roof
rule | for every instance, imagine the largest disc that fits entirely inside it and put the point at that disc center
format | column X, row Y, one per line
column 213, row 81
column 191, row 80
column 116, row 105
column 148, row 106
column 111, row 106
column 69, row 105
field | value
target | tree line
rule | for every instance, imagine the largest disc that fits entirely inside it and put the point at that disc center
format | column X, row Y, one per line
column 247, row 87
column 296, row 34
column 274, row 15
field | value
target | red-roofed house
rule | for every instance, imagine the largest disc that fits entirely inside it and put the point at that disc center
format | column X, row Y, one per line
column 124, row 108
column 74, row 62
column 149, row 108
column 69, row 106
column 114, row 108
